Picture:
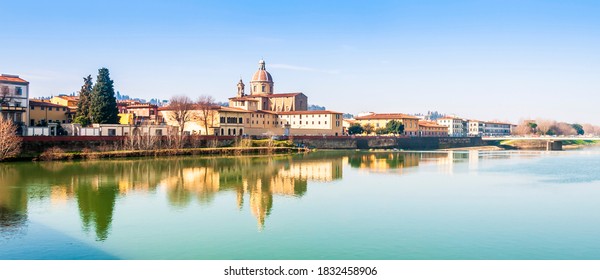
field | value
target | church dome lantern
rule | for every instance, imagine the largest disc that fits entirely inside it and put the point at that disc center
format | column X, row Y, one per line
column 262, row 82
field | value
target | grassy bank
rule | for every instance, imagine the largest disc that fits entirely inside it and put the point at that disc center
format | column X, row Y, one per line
column 57, row 154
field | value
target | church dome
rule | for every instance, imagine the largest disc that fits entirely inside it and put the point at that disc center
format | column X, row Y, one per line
column 261, row 75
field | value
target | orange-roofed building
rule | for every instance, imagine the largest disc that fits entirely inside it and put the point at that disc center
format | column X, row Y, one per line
column 432, row 129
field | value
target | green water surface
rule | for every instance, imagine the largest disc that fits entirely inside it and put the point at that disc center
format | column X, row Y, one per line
column 322, row 205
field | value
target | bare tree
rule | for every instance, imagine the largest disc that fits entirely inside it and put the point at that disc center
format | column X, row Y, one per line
column 4, row 97
column 525, row 127
column 564, row 129
column 207, row 107
column 544, row 127
column 590, row 129
column 10, row 143
column 182, row 111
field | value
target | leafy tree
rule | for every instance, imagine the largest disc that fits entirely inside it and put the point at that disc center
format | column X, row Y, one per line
column 533, row 127
column 381, row 130
column 103, row 107
column 82, row 115
column 368, row 128
column 394, row 127
column 578, row 128
column 84, row 121
column 355, row 128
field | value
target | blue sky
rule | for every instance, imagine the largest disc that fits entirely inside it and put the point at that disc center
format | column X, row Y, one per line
column 494, row 59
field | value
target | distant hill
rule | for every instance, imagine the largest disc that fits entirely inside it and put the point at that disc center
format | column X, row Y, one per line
column 313, row 107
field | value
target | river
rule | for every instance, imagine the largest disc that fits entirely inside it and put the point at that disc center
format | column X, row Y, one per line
column 321, row 205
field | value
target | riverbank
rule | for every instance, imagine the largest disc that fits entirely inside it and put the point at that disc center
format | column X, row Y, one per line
column 541, row 144
column 57, row 154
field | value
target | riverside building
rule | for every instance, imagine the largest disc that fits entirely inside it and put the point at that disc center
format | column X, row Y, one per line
column 261, row 112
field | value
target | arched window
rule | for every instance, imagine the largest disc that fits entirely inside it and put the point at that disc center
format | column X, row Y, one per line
column 222, row 131
column 241, row 131
column 263, row 88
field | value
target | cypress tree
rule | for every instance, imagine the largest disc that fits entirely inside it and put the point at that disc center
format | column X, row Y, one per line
column 82, row 115
column 103, row 107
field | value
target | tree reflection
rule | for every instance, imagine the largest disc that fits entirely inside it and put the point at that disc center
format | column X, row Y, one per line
column 96, row 205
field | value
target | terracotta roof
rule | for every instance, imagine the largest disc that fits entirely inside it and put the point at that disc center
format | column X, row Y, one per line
column 12, row 79
column 450, row 118
column 267, row 112
column 233, row 109
column 494, row 122
column 316, row 112
column 262, row 76
column 142, row 105
column 68, row 97
column 193, row 107
column 244, row 98
column 36, row 102
column 430, row 124
column 275, row 95
column 387, row 116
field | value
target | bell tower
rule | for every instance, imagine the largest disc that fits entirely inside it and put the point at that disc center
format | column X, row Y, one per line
column 240, row 88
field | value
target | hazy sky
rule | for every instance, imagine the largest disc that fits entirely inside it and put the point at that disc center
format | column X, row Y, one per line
column 485, row 59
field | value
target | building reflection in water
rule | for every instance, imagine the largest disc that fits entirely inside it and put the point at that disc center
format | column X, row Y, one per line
column 256, row 181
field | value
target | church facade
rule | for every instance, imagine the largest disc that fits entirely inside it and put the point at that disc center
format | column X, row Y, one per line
column 264, row 112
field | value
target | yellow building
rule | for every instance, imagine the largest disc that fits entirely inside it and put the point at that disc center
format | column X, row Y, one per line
column 41, row 113
column 126, row 118
column 411, row 123
column 69, row 101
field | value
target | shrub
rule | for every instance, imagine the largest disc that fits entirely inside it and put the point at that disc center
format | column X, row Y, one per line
column 53, row 153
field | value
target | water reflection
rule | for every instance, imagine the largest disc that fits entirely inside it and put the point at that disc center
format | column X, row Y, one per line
column 256, row 181
column 13, row 205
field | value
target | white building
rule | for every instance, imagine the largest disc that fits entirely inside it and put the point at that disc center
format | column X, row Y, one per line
column 14, row 98
column 484, row 128
column 497, row 129
column 457, row 127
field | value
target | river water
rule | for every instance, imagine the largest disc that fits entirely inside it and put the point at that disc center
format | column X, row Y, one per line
column 322, row 205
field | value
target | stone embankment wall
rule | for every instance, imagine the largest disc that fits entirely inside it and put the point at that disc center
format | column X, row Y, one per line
column 38, row 144
column 383, row 142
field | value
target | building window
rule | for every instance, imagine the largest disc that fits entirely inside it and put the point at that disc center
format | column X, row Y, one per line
column 32, row 107
column 241, row 120
column 17, row 104
column 18, row 91
column 112, row 132
column 158, row 132
column 263, row 88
